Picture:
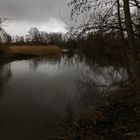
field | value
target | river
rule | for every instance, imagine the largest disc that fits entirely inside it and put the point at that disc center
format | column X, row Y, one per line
column 36, row 94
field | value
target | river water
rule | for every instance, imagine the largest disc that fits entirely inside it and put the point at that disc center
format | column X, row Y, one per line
column 35, row 94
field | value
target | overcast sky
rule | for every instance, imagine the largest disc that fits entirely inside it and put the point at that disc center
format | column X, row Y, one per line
column 43, row 14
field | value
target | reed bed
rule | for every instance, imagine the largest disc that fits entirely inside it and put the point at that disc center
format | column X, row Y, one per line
column 35, row 50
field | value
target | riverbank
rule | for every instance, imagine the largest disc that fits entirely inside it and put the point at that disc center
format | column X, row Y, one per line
column 114, row 118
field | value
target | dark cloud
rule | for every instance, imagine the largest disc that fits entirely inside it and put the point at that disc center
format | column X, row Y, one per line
column 34, row 11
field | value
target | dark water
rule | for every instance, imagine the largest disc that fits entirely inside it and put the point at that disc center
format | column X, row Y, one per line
column 36, row 93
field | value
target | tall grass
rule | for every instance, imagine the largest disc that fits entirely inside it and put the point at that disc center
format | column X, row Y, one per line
column 35, row 50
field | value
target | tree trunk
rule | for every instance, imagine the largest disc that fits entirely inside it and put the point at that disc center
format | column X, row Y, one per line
column 128, row 23
column 119, row 19
column 138, row 10
column 133, row 54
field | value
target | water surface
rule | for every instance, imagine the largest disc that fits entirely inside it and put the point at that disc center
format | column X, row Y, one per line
column 36, row 93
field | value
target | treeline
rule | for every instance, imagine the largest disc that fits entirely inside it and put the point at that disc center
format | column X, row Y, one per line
column 36, row 37
column 33, row 37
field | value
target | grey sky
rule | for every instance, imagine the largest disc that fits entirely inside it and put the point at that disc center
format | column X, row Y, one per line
column 43, row 14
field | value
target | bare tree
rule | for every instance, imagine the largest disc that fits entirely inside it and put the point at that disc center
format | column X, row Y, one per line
column 104, row 16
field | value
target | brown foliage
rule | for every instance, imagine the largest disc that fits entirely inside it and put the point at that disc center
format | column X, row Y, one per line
column 35, row 50
column 117, row 118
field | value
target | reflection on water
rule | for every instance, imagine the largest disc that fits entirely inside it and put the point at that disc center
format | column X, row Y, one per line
column 96, row 82
column 5, row 74
column 35, row 92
